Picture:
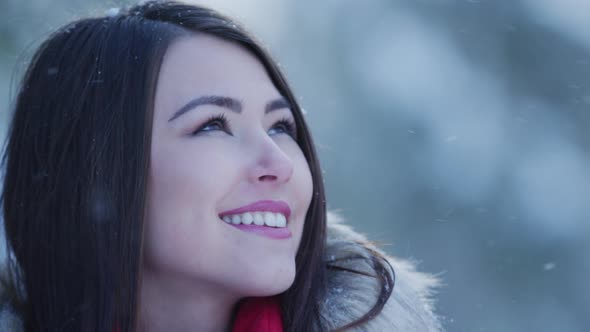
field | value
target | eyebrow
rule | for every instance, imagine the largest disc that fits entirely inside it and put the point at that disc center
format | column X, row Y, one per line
column 277, row 104
column 227, row 102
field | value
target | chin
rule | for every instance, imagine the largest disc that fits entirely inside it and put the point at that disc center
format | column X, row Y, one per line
column 273, row 282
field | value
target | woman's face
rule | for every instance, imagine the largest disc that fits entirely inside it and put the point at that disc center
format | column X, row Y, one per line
column 223, row 140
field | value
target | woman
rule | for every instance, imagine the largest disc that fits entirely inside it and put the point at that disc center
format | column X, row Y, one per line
column 160, row 176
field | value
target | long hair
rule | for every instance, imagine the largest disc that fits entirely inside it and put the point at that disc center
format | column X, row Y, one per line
column 76, row 165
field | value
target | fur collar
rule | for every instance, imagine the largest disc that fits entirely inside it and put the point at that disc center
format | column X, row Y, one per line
column 350, row 296
column 409, row 309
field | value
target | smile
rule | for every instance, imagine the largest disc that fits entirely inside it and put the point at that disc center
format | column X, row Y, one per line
column 266, row 218
column 260, row 212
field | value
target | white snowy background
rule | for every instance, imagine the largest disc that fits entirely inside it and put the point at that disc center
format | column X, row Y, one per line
column 454, row 132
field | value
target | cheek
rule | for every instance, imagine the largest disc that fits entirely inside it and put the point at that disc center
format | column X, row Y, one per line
column 183, row 189
column 304, row 182
column 302, row 185
column 303, row 172
column 189, row 178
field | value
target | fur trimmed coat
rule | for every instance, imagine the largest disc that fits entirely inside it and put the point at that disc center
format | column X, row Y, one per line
column 410, row 307
column 349, row 296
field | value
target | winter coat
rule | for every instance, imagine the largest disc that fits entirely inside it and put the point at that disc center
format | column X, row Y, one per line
column 350, row 295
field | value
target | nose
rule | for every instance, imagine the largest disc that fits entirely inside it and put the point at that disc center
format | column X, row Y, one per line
column 270, row 163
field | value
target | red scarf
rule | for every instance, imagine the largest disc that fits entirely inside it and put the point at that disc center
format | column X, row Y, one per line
column 259, row 314
column 256, row 314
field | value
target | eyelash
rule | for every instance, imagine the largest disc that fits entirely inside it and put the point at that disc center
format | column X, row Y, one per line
column 223, row 122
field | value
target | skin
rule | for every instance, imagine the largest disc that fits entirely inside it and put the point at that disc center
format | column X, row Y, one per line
column 196, row 267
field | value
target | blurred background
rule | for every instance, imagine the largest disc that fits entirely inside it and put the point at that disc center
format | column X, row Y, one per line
column 453, row 132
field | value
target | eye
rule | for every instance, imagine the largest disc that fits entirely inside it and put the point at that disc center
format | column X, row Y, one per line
column 214, row 123
column 284, row 126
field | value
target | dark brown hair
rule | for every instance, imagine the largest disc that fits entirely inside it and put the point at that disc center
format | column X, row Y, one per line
column 76, row 164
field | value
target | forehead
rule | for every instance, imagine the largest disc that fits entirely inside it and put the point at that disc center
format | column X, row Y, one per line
column 201, row 64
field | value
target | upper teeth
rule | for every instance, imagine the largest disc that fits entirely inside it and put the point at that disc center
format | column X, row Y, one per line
column 257, row 218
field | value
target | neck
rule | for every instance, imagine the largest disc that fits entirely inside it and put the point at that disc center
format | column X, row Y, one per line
column 177, row 304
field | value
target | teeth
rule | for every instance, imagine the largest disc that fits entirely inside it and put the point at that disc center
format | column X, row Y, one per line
column 269, row 219
column 257, row 218
column 247, row 218
column 281, row 220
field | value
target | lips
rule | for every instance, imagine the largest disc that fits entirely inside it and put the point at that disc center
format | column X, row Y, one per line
column 264, row 218
column 261, row 206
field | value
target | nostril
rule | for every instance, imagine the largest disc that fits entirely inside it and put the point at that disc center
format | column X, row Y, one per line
column 267, row 178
